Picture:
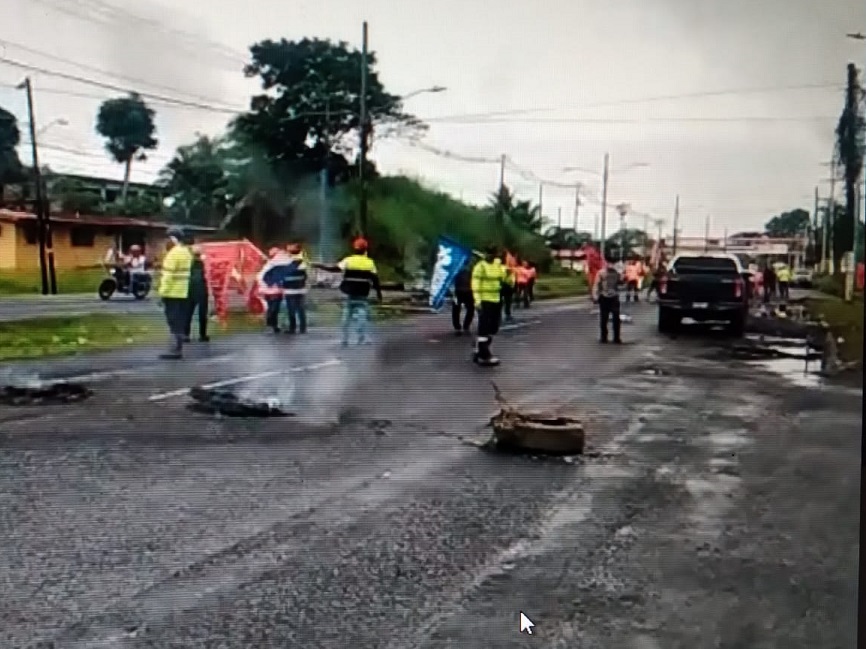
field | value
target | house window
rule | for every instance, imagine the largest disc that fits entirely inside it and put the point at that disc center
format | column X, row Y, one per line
column 31, row 233
column 82, row 237
column 111, row 195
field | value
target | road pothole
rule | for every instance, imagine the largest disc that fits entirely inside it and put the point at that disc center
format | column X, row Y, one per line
column 228, row 404
column 38, row 394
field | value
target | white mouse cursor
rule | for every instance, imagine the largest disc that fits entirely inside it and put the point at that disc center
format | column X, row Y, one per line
column 525, row 624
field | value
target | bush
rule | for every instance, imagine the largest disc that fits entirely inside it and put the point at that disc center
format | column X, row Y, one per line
column 831, row 284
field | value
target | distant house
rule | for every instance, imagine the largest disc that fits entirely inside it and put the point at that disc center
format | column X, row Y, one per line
column 79, row 241
column 107, row 190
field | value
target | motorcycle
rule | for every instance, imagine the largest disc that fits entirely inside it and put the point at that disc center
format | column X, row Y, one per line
column 122, row 280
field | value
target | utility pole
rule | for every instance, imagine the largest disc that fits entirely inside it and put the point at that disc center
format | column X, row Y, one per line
column 604, row 203
column 364, row 133
column 676, row 225
column 645, row 235
column 324, row 233
column 725, row 241
column 813, row 237
column 707, row 233
column 559, row 218
column 576, row 206
column 831, row 221
column 541, row 200
column 502, row 173
column 852, row 160
column 46, row 252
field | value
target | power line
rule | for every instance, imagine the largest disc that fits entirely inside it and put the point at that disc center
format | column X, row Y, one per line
column 116, row 88
column 644, row 100
column 96, row 11
column 107, row 73
column 642, row 120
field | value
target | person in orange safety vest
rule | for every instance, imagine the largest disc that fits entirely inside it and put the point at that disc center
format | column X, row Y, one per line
column 632, row 280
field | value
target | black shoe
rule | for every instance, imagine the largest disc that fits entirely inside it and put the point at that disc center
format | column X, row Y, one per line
column 187, row 339
column 171, row 356
column 204, row 339
column 603, row 341
column 617, row 341
column 458, row 332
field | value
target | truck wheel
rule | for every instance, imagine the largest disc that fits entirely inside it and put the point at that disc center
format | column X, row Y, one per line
column 737, row 326
column 669, row 321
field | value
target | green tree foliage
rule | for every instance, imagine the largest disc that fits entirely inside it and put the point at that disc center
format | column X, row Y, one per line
column 631, row 240
column 311, row 101
column 128, row 126
column 558, row 238
column 73, row 197
column 11, row 169
column 788, row 224
column 197, row 179
column 842, row 237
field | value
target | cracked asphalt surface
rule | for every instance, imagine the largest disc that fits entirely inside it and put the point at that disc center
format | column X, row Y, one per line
column 718, row 508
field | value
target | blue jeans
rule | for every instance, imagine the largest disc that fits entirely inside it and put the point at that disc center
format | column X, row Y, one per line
column 297, row 311
column 356, row 308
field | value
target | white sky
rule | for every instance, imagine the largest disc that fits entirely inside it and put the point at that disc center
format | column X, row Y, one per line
column 506, row 56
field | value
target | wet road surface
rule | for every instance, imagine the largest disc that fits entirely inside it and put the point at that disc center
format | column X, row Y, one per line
column 718, row 507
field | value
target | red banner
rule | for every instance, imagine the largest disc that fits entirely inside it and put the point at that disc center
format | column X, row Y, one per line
column 232, row 265
column 858, row 277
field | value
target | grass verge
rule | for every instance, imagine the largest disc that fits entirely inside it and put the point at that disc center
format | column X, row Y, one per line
column 21, row 283
column 560, row 286
column 845, row 320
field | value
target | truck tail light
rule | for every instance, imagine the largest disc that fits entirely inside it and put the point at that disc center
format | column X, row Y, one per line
column 738, row 287
column 663, row 285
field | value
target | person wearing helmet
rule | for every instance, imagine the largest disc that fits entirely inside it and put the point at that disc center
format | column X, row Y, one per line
column 295, row 289
column 174, row 289
column 488, row 278
column 605, row 292
column 359, row 277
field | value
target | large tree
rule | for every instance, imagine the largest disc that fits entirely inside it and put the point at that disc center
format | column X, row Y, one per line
column 788, row 224
column 311, row 101
column 197, row 181
column 11, row 169
column 128, row 126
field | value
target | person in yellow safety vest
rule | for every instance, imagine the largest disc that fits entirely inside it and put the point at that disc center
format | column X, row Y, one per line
column 488, row 278
column 783, row 277
column 632, row 280
column 360, row 275
column 174, row 289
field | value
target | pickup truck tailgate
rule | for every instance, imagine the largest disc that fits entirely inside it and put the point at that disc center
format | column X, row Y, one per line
column 702, row 288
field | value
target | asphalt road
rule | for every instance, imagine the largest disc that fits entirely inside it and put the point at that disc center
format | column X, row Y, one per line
column 718, row 508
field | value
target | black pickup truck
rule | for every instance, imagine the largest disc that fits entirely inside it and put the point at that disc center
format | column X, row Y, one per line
column 706, row 287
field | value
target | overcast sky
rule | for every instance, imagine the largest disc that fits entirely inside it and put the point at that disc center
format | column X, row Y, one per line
column 588, row 74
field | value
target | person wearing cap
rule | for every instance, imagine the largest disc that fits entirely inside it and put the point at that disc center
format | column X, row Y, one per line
column 488, row 277
column 174, row 283
column 359, row 277
column 295, row 289
column 198, row 297
column 605, row 292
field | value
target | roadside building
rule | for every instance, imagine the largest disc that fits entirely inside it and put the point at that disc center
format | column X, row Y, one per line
column 79, row 241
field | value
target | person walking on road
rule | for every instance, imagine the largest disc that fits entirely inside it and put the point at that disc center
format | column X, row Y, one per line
column 783, row 276
column 523, row 276
column 632, row 280
column 488, row 278
column 198, row 296
column 359, row 277
column 270, row 281
column 174, row 287
column 605, row 292
column 295, row 289
column 769, row 282
column 658, row 274
column 530, row 286
column 508, row 286
column 463, row 299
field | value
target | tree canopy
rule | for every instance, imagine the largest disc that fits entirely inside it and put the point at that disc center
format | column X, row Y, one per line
column 311, row 101
column 788, row 224
column 128, row 126
column 11, row 169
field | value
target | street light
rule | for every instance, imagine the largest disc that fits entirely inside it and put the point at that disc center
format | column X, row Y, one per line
column 423, row 91
column 604, row 183
column 60, row 121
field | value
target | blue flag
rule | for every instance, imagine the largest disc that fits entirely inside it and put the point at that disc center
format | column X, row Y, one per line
column 450, row 259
